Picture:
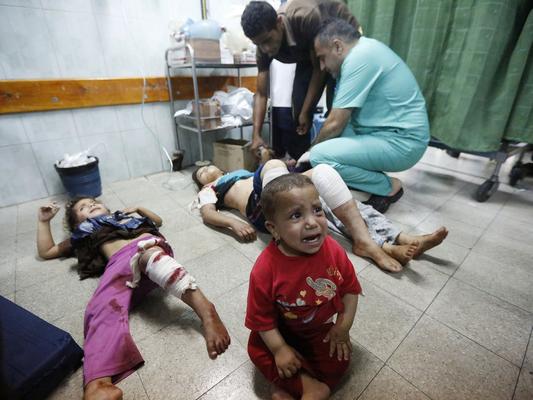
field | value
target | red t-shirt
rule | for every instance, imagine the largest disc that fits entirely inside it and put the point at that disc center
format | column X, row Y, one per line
column 299, row 293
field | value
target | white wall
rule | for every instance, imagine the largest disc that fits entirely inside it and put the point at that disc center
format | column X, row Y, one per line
column 42, row 39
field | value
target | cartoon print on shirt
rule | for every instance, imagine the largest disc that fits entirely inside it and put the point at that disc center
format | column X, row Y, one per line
column 323, row 287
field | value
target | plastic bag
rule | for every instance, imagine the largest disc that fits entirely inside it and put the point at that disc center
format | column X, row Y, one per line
column 237, row 102
column 75, row 160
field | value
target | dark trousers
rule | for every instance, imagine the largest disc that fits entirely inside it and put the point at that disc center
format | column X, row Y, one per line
column 285, row 119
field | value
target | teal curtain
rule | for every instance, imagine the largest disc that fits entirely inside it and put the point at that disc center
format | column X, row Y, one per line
column 473, row 61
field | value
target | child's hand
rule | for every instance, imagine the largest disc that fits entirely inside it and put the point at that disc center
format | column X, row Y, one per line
column 244, row 231
column 130, row 210
column 47, row 212
column 339, row 340
column 287, row 361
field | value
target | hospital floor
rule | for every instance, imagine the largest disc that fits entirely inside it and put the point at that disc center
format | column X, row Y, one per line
column 455, row 324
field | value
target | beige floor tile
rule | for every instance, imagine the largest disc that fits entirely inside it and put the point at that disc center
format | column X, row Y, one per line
column 184, row 197
column 408, row 213
column 524, row 389
column 194, row 242
column 502, row 279
column 177, row 220
column 505, row 249
column 111, row 201
column 467, row 195
column 220, row 271
column 8, row 222
column 252, row 249
column 391, row 386
column 57, row 297
column 487, row 320
column 382, row 320
column 513, row 229
column 459, row 232
column 519, row 207
column 244, row 383
column 363, row 368
column 445, row 365
column 474, row 213
column 177, row 365
column 70, row 388
column 417, row 284
column 7, row 277
column 31, row 271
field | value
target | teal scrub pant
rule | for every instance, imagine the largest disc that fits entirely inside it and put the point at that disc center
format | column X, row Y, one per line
column 361, row 157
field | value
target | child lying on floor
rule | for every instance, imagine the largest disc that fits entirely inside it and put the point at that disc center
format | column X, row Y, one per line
column 299, row 283
column 113, row 244
column 372, row 234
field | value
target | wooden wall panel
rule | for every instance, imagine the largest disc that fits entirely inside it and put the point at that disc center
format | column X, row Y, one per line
column 18, row 96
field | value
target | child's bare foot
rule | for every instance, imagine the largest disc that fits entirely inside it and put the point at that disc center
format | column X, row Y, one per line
column 426, row 242
column 216, row 336
column 401, row 252
column 102, row 389
column 374, row 252
column 278, row 393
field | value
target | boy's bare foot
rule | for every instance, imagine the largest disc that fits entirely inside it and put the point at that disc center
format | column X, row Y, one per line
column 374, row 252
column 402, row 252
column 278, row 393
column 216, row 336
column 426, row 242
column 313, row 388
column 102, row 389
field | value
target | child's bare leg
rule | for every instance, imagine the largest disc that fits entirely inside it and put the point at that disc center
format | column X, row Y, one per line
column 362, row 243
column 215, row 333
column 278, row 393
column 216, row 336
column 426, row 242
column 313, row 389
column 101, row 389
column 403, row 252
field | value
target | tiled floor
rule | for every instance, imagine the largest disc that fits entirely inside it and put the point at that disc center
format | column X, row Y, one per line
column 456, row 324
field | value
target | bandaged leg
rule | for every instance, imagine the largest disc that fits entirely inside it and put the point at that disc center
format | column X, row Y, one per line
column 142, row 246
column 169, row 274
column 273, row 173
column 330, row 186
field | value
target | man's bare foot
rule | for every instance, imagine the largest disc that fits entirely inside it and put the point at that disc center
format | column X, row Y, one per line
column 278, row 393
column 216, row 336
column 401, row 252
column 376, row 254
column 426, row 242
column 102, row 389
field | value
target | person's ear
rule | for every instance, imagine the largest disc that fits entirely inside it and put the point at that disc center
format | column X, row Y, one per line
column 338, row 46
column 279, row 22
column 271, row 228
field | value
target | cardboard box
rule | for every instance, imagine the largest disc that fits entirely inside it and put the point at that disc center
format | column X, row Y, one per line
column 205, row 50
column 205, row 122
column 232, row 154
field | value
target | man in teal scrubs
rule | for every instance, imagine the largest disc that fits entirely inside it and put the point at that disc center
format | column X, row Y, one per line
column 378, row 121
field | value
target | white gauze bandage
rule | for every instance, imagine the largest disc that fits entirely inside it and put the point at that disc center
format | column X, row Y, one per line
column 169, row 274
column 330, row 186
column 273, row 173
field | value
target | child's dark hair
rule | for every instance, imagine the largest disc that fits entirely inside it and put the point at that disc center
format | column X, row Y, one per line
column 282, row 183
column 195, row 178
column 70, row 220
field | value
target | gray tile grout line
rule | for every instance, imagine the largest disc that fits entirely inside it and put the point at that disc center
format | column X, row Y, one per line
column 220, row 381
column 529, row 343
column 142, row 384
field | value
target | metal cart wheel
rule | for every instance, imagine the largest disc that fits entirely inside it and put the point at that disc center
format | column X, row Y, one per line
column 516, row 174
column 453, row 153
column 485, row 190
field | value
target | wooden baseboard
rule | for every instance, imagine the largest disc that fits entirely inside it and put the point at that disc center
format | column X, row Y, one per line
column 18, row 96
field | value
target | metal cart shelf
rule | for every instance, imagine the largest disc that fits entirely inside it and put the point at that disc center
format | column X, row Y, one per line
column 194, row 66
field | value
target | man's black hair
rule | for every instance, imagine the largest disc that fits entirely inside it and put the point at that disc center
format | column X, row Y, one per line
column 258, row 17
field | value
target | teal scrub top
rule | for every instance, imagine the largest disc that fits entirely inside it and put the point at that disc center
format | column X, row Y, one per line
column 382, row 90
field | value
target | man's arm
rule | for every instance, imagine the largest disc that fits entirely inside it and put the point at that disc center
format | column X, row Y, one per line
column 334, row 125
column 211, row 216
column 259, row 110
column 314, row 91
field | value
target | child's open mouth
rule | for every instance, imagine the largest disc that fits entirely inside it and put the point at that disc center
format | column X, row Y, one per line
column 312, row 239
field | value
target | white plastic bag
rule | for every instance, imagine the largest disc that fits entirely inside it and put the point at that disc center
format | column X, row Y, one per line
column 237, row 102
column 75, row 160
